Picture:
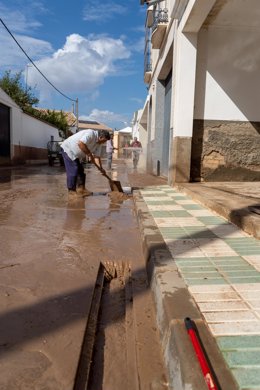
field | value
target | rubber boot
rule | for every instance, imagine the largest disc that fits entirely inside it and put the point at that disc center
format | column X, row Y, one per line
column 81, row 190
column 73, row 196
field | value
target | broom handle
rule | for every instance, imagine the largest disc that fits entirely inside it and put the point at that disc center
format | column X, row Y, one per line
column 104, row 174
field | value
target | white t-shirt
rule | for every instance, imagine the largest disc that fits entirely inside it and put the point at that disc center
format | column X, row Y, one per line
column 109, row 146
column 88, row 137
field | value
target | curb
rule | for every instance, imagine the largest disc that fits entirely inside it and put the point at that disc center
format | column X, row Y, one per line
column 173, row 303
column 243, row 217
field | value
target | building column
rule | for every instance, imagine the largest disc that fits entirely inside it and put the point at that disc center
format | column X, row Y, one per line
column 183, row 92
column 159, row 127
column 149, row 136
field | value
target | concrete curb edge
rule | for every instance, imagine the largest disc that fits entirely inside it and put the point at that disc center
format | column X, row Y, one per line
column 173, row 304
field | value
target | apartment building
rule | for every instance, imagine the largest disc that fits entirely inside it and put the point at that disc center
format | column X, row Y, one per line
column 201, row 66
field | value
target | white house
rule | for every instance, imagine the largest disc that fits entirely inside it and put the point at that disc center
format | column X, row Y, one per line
column 22, row 137
column 202, row 112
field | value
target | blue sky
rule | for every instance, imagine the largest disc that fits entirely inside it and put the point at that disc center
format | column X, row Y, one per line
column 89, row 50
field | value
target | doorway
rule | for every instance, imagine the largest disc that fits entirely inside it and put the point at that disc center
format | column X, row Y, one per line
column 166, row 126
column 4, row 133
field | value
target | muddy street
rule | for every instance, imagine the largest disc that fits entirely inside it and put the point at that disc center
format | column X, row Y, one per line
column 51, row 251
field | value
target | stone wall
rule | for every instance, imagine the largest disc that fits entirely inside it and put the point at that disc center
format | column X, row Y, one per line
column 225, row 151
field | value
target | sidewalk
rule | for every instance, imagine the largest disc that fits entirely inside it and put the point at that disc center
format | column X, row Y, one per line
column 187, row 244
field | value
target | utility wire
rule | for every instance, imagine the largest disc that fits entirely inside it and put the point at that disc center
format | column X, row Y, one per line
column 67, row 97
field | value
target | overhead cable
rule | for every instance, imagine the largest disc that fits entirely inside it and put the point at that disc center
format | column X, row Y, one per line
column 67, row 97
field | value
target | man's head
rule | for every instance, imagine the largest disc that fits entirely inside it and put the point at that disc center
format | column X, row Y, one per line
column 103, row 137
column 135, row 139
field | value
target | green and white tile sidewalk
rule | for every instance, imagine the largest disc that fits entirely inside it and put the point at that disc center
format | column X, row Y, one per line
column 220, row 265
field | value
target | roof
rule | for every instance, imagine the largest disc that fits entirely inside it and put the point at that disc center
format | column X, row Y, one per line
column 126, row 130
column 83, row 124
column 71, row 118
column 93, row 125
column 7, row 100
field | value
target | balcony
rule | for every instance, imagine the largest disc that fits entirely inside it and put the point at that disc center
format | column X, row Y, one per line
column 147, row 57
column 149, row 16
column 148, row 73
column 159, row 27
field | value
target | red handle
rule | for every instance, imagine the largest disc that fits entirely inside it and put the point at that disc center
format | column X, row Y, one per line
column 200, row 355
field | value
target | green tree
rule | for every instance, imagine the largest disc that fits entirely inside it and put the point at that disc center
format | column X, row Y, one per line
column 12, row 85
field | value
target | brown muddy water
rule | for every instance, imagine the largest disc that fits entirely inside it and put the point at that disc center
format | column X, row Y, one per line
column 51, row 250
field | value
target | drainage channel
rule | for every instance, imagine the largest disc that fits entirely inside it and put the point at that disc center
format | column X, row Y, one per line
column 108, row 355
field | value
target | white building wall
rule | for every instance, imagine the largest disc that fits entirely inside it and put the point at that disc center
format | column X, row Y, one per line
column 5, row 99
column 35, row 133
column 184, row 84
column 16, row 121
column 26, row 131
column 228, row 82
column 214, row 47
column 15, row 115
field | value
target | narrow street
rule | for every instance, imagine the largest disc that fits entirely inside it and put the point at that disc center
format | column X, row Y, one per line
column 51, row 251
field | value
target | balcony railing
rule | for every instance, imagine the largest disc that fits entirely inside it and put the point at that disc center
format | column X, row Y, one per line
column 147, row 70
column 159, row 27
column 160, row 16
column 147, row 57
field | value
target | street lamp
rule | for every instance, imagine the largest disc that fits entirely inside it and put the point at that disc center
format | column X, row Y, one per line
column 26, row 76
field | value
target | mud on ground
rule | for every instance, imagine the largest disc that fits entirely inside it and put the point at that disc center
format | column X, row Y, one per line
column 50, row 252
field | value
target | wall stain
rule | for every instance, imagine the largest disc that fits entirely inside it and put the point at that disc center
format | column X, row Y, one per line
column 212, row 16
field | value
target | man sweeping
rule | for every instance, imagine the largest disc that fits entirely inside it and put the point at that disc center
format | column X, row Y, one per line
column 74, row 151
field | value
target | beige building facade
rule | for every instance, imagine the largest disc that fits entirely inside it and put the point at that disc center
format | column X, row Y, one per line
column 201, row 115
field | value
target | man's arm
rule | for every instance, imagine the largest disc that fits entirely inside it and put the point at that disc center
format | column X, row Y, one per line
column 86, row 150
column 112, row 144
column 94, row 159
column 97, row 162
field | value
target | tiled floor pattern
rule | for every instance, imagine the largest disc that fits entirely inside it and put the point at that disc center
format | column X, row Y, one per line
column 221, row 267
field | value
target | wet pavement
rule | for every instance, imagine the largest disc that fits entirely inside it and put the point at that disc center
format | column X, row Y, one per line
column 208, row 269
column 50, row 253
column 51, row 250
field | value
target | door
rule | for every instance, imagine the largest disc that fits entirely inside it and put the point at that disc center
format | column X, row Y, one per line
column 4, row 132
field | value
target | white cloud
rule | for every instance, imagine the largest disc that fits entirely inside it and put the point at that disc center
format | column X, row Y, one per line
column 81, row 65
column 20, row 21
column 137, row 100
column 139, row 29
column 11, row 55
column 78, row 68
column 105, row 116
column 17, row 21
column 138, row 46
column 101, row 12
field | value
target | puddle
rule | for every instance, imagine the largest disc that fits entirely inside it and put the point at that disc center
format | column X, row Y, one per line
column 126, row 191
column 100, row 193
